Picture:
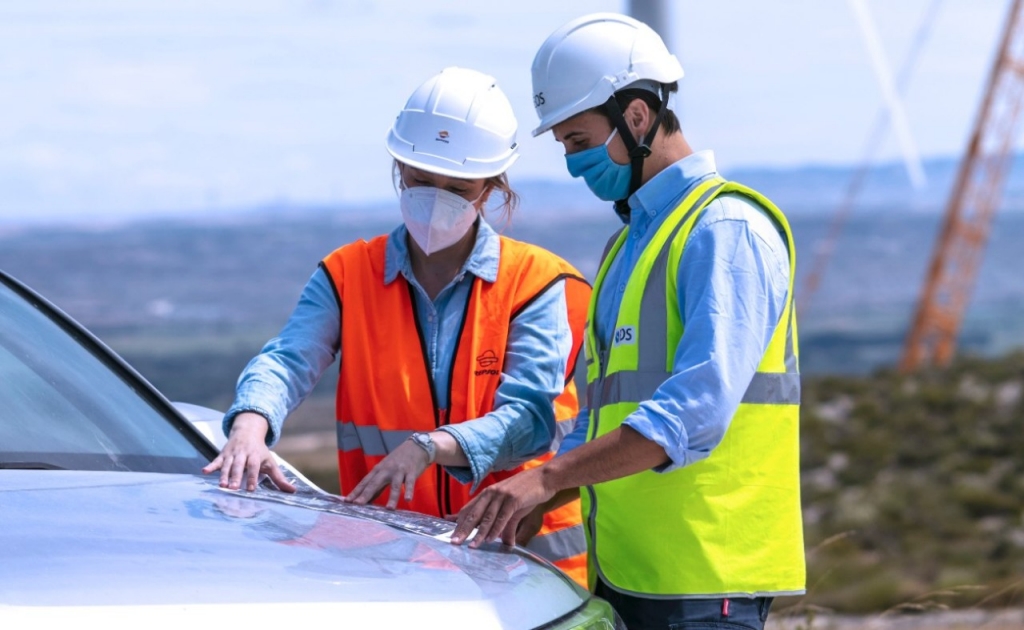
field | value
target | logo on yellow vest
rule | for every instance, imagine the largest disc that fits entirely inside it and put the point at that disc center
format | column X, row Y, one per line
column 624, row 336
column 486, row 361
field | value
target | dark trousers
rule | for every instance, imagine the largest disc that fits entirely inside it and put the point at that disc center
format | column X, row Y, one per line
column 640, row 613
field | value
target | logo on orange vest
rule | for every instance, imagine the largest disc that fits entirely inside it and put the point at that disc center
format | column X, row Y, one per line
column 486, row 360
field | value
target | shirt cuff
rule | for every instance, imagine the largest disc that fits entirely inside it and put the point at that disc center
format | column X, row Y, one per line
column 474, row 473
column 671, row 436
column 578, row 435
column 260, row 398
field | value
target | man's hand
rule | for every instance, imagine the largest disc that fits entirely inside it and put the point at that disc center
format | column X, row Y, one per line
column 246, row 455
column 530, row 525
column 402, row 467
column 497, row 511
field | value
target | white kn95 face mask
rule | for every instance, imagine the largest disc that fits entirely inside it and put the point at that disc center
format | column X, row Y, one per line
column 436, row 218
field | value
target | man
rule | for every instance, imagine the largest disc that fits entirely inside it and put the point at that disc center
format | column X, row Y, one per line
column 691, row 466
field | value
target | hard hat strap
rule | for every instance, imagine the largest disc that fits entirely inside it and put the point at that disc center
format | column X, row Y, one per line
column 638, row 152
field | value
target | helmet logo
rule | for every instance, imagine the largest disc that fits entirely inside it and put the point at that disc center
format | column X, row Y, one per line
column 442, row 136
column 538, row 99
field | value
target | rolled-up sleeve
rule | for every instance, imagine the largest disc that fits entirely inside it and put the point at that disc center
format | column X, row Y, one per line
column 733, row 283
column 578, row 435
column 285, row 371
column 522, row 424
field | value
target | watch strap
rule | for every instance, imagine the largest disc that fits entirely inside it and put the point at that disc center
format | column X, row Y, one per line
column 424, row 441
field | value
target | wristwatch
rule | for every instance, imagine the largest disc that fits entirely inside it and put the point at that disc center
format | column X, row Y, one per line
column 424, row 441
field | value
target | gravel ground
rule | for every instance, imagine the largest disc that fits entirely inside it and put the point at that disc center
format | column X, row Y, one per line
column 1010, row 619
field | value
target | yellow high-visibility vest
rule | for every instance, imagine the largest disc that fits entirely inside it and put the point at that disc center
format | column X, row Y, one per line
column 729, row 525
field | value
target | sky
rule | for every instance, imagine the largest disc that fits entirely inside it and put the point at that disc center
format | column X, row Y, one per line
column 120, row 108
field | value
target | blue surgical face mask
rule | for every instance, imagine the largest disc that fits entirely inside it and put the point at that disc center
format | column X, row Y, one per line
column 606, row 178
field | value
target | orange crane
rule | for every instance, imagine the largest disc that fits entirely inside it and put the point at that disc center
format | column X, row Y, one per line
column 974, row 199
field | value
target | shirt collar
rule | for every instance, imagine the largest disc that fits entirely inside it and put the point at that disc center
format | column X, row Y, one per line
column 482, row 261
column 663, row 192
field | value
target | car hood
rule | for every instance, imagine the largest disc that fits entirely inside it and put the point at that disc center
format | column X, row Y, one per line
column 82, row 543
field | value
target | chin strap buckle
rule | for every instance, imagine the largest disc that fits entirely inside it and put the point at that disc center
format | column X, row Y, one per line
column 640, row 151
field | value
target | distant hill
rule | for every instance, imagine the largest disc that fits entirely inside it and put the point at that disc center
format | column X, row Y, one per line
column 244, row 272
column 243, row 269
column 814, row 190
column 810, row 189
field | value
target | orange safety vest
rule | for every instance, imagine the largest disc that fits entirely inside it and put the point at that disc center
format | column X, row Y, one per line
column 385, row 391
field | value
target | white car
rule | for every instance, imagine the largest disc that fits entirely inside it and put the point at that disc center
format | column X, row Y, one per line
column 106, row 520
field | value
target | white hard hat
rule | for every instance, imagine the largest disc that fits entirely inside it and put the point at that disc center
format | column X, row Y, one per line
column 458, row 123
column 587, row 60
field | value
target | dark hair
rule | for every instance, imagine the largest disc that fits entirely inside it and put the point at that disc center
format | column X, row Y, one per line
column 669, row 122
column 496, row 182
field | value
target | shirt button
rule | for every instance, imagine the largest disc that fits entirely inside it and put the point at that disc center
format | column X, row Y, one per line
column 635, row 235
column 622, row 288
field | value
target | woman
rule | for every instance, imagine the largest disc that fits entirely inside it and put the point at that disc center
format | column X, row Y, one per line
column 458, row 345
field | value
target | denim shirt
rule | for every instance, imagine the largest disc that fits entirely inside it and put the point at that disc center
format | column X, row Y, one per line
column 522, row 424
column 733, row 282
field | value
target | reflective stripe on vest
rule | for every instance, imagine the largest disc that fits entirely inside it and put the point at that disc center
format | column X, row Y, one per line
column 565, row 543
column 729, row 525
column 636, row 387
column 385, row 391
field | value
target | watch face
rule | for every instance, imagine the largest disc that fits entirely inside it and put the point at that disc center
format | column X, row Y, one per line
column 424, row 441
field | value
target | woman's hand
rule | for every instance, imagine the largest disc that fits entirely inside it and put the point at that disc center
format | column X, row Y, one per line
column 403, row 466
column 246, row 455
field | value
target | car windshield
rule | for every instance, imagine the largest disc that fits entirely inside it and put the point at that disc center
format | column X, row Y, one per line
column 65, row 405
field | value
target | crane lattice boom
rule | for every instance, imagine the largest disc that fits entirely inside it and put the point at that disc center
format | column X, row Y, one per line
column 976, row 195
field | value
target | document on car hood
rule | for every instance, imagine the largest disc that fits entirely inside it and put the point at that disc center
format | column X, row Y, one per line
column 313, row 499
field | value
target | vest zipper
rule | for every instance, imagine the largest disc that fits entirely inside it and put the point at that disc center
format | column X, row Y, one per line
column 438, row 472
column 444, row 493
column 445, row 417
column 592, row 525
column 602, row 362
column 602, row 365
